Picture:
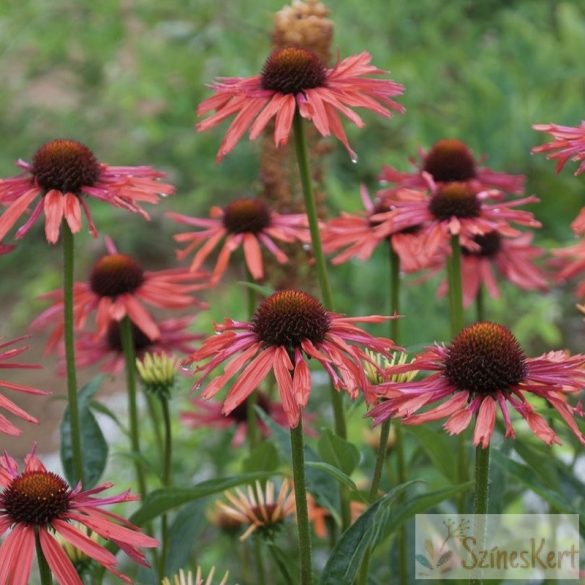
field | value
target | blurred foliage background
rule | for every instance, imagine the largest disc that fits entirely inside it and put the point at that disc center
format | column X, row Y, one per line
column 124, row 77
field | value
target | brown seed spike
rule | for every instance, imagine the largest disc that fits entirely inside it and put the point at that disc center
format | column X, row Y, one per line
column 116, row 274
column 484, row 358
column 450, row 160
column 65, row 165
column 292, row 70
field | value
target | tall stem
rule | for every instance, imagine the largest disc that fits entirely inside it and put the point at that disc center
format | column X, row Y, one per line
column 311, row 209
column 260, row 571
column 298, row 464
column 130, row 360
column 457, row 323
column 481, row 498
column 68, row 261
column 44, row 569
column 166, row 480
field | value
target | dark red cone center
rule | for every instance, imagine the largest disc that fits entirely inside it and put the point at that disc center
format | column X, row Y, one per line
column 450, row 160
column 246, row 215
column 292, row 70
column 116, row 274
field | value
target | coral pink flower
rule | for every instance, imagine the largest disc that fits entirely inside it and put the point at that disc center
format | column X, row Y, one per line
column 482, row 370
column 570, row 263
column 6, row 426
column 208, row 413
column 448, row 161
column 244, row 222
column 568, row 142
column 455, row 209
column 63, row 173
column 294, row 79
column 38, row 502
column 90, row 349
column 118, row 287
column 288, row 328
column 513, row 258
column 357, row 236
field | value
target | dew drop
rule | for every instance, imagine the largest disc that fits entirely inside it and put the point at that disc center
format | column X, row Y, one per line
column 354, row 157
column 185, row 368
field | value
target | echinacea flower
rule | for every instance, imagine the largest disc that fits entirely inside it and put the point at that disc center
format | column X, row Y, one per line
column 62, row 176
column 182, row 578
column 92, row 349
column 357, row 236
column 247, row 223
column 294, row 79
column 288, row 328
column 455, row 209
column 6, row 426
column 513, row 258
column 38, row 503
column 568, row 144
column 119, row 287
column 570, row 263
column 258, row 509
column 208, row 413
column 450, row 160
column 484, row 369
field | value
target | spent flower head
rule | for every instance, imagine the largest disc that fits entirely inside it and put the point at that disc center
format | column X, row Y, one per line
column 182, row 578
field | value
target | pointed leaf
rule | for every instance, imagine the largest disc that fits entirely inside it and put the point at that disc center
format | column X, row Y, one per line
column 338, row 452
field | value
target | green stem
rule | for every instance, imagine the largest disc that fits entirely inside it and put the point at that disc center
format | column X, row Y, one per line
column 481, row 498
column 260, row 572
column 68, row 260
column 321, row 266
column 298, row 465
column 278, row 557
column 480, row 304
column 130, row 359
column 156, row 426
column 326, row 292
column 166, row 480
column 44, row 570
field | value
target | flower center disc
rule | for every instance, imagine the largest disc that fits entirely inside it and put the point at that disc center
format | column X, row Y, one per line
column 115, row 274
column 246, row 215
column 35, row 498
column 489, row 244
column 292, row 70
column 454, row 199
column 450, row 160
column 65, row 165
column 114, row 339
column 485, row 358
column 289, row 317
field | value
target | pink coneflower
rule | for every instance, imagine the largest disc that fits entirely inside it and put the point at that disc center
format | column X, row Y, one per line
column 38, row 502
column 208, row 413
column 175, row 337
column 357, row 236
column 484, row 368
column 118, row 286
column 247, row 223
column 288, row 328
column 513, row 258
column 456, row 209
column 568, row 142
column 63, row 173
column 448, row 161
column 6, row 426
column 295, row 79
column 570, row 263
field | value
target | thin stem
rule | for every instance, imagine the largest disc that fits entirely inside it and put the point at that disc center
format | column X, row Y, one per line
column 130, row 359
column 321, row 266
column 156, row 426
column 44, row 570
column 260, row 572
column 277, row 557
column 481, row 498
column 480, row 304
column 298, row 465
column 166, row 480
column 68, row 261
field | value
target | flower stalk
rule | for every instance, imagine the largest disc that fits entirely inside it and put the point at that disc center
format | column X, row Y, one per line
column 68, row 263
column 44, row 569
column 481, row 498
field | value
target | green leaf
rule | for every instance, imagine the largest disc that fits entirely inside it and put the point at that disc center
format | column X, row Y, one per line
column 338, row 452
column 187, row 525
column 264, row 457
column 335, row 473
column 103, row 409
column 93, row 443
column 163, row 500
column 346, row 558
column 438, row 448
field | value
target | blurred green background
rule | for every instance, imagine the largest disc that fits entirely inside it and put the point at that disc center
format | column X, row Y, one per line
column 124, row 77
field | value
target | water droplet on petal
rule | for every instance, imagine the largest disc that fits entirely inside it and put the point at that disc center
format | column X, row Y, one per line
column 185, row 368
column 354, row 157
